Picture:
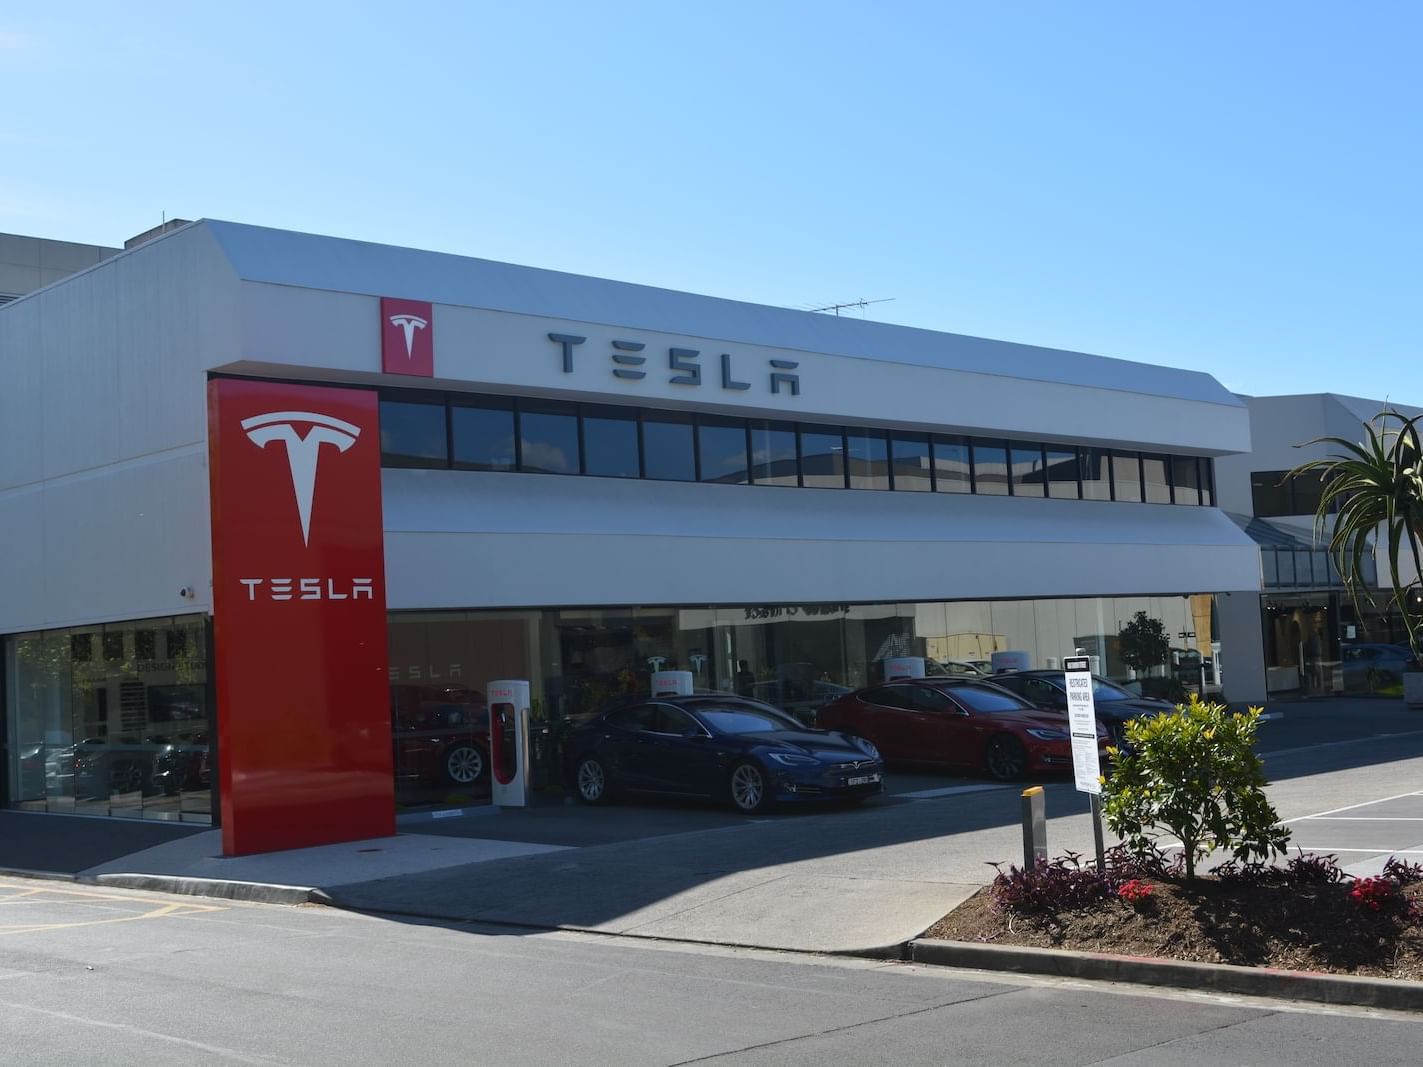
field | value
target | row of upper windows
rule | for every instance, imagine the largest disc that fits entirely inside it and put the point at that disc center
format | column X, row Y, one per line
column 490, row 433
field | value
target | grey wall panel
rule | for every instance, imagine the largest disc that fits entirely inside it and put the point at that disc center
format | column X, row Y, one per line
column 477, row 502
column 311, row 328
column 103, row 416
column 442, row 570
column 119, row 543
column 1243, row 644
column 22, row 544
column 463, row 539
column 21, row 386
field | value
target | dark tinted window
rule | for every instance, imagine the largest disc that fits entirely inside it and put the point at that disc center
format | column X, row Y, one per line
column 889, row 696
column 1104, row 691
column 1185, row 479
column 672, row 720
column 868, row 459
column 822, row 458
column 114, row 645
column 610, row 442
column 548, row 436
column 909, row 457
column 145, row 645
column 1062, row 473
column 951, row 465
column 990, row 468
column 723, row 450
column 667, row 449
column 1306, row 489
column 1040, row 692
column 1126, row 476
column 1154, row 477
column 637, row 717
column 983, row 699
column 412, row 434
column 1207, row 481
column 925, row 699
column 1096, row 466
column 1029, row 478
column 773, row 455
column 1270, row 494
column 745, row 719
column 483, row 436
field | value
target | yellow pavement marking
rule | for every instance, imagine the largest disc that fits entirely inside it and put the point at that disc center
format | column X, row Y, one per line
column 31, row 895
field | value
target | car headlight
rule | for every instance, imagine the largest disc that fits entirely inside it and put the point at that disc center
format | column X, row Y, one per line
column 1044, row 734
column 867, row 748
column 793, row 759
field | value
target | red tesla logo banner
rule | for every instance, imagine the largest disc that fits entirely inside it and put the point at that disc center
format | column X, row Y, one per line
column 407, row 337
column 299, row 616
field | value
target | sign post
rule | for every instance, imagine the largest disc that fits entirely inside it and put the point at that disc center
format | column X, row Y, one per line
column 1082, row 725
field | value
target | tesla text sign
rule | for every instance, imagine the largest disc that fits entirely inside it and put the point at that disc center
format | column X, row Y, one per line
column 1082, row 722
column 304, row 750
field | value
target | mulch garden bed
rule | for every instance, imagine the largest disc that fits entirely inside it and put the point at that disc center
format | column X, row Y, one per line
column 1309, row 927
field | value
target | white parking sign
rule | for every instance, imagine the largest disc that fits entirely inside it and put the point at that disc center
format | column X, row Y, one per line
column 1082, row 723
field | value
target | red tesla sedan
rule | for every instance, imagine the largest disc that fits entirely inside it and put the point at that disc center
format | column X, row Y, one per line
column 958, row 723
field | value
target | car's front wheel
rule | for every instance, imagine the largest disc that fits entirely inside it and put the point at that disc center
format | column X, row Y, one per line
column 591, row 780
column 750, row 788
column 1006, row 758
column 464, row 764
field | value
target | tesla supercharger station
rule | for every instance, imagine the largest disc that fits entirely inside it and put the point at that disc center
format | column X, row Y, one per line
column 903, row 667
column 672, row 683
column 508, row 742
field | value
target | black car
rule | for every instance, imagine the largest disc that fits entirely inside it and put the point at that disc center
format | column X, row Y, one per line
column 1115, row 706
column 720, row 746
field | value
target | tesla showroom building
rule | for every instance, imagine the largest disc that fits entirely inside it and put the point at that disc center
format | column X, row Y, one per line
column 275, row 509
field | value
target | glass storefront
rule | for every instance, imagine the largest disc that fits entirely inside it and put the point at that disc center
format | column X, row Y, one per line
column 1321, row 644
column 115, row 719
column 111, row 720
column 795, row 656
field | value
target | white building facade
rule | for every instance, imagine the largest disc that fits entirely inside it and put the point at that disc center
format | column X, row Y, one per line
column 584, row 481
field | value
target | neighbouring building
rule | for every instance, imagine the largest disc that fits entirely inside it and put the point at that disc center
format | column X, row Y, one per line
column 1315, row 640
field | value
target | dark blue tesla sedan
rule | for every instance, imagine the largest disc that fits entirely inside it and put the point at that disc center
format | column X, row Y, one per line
column 719, row 746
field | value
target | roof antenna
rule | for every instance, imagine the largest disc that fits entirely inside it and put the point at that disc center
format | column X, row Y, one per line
column 861, row 304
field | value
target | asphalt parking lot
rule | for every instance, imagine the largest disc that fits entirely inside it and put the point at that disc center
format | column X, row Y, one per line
column 1363, row 836
column 1296, row 738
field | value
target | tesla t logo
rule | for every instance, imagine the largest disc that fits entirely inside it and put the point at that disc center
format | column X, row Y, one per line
column 303, row 449
column 408, row 324
column 407, row 337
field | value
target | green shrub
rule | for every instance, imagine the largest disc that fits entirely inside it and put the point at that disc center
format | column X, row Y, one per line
column 1193, row 774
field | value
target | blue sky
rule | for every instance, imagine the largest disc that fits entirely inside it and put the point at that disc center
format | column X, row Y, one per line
column 1232, row 188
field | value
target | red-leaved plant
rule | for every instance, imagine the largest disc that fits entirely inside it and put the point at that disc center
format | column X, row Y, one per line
column 1135, row 891
column 1374, row 893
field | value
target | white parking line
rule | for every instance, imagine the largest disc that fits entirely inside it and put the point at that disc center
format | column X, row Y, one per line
column 1359, row 818
column 1352, row 807
column 1326, row 849
column 1332, row 744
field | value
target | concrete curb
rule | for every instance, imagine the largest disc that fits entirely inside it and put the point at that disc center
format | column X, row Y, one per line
column 258, row 892
column 48, row 876
column 1222, row 978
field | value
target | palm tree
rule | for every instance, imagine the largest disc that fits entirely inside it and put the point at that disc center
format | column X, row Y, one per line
column 1376, row 483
